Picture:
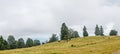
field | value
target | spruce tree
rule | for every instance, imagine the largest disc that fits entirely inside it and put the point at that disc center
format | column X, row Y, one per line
column 12, row 42
column 3, row 44
column 85, row 33
column 29, row 42
column 20, row 43
column 36, row 42
column 64, row 32
column 101, row 31
column 97, row 30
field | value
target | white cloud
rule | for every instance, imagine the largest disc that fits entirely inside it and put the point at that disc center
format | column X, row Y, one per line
column 77, row 28
column 109, row 26
column 40, row 18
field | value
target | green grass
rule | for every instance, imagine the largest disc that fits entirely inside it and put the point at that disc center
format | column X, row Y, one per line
column 88, row 45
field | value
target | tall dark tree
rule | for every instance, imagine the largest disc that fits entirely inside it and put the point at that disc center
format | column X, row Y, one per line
column 113, row 33
column 64, row 32
column 20, row 43
column 29, row 42
column 97, row 30
column 12, row 42
column 3, row 44
column 101, row 31
column 36, row 42
column 53, row 38
column 85, row 33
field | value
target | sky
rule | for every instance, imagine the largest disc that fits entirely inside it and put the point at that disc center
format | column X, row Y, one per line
column 39, row 19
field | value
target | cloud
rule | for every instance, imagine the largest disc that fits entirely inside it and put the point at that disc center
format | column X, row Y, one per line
column 109, row 26
column 113, row 2
column 77, row 28
column 41, row 18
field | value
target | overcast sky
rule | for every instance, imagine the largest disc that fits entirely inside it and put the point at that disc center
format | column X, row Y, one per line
column 39, row 19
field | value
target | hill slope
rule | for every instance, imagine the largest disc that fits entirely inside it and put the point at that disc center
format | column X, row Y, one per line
column 88, row 45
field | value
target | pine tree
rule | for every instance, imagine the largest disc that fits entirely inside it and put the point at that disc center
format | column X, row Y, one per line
column 36, row 42
column 20, row 43
column 97, row 30
column 3, row 44
column 85, row 33
column 64, row 32
column 12, row 42
column 29, row 42
column 101, row 31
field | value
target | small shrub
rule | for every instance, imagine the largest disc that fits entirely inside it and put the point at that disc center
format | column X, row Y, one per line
column 73, row 45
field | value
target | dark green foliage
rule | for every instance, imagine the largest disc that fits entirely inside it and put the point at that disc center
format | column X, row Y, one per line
column 66, row 37
column 12, row 42
column 85, row 33
column 3, row 44
column 75, row 34
column 20, row 43
column 53, row 38
column 6, row 46
column 64, row 31
column 97, row 30
column 101, row 31
column 72, row 33
column 29, row 42
column 36, row 42
column 113, row 32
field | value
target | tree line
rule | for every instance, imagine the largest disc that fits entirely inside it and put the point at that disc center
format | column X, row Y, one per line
column 11, row 43
column 68, row 33
column 65, row 34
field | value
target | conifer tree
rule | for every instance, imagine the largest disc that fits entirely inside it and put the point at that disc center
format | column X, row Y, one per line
column 97, row 30
column 101, row 31
column 64, row 32
column 85, row 33
column 12, row 42
column 36, row 42
column 29, row 42
column 21, row 43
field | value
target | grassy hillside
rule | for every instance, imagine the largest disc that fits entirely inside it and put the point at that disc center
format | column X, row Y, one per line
column 88, row 45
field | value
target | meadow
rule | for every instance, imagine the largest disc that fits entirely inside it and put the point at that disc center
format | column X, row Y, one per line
column 87, row 45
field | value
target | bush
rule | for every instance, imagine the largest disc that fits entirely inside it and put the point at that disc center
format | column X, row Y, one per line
column 113, row 32
column 73, row 45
